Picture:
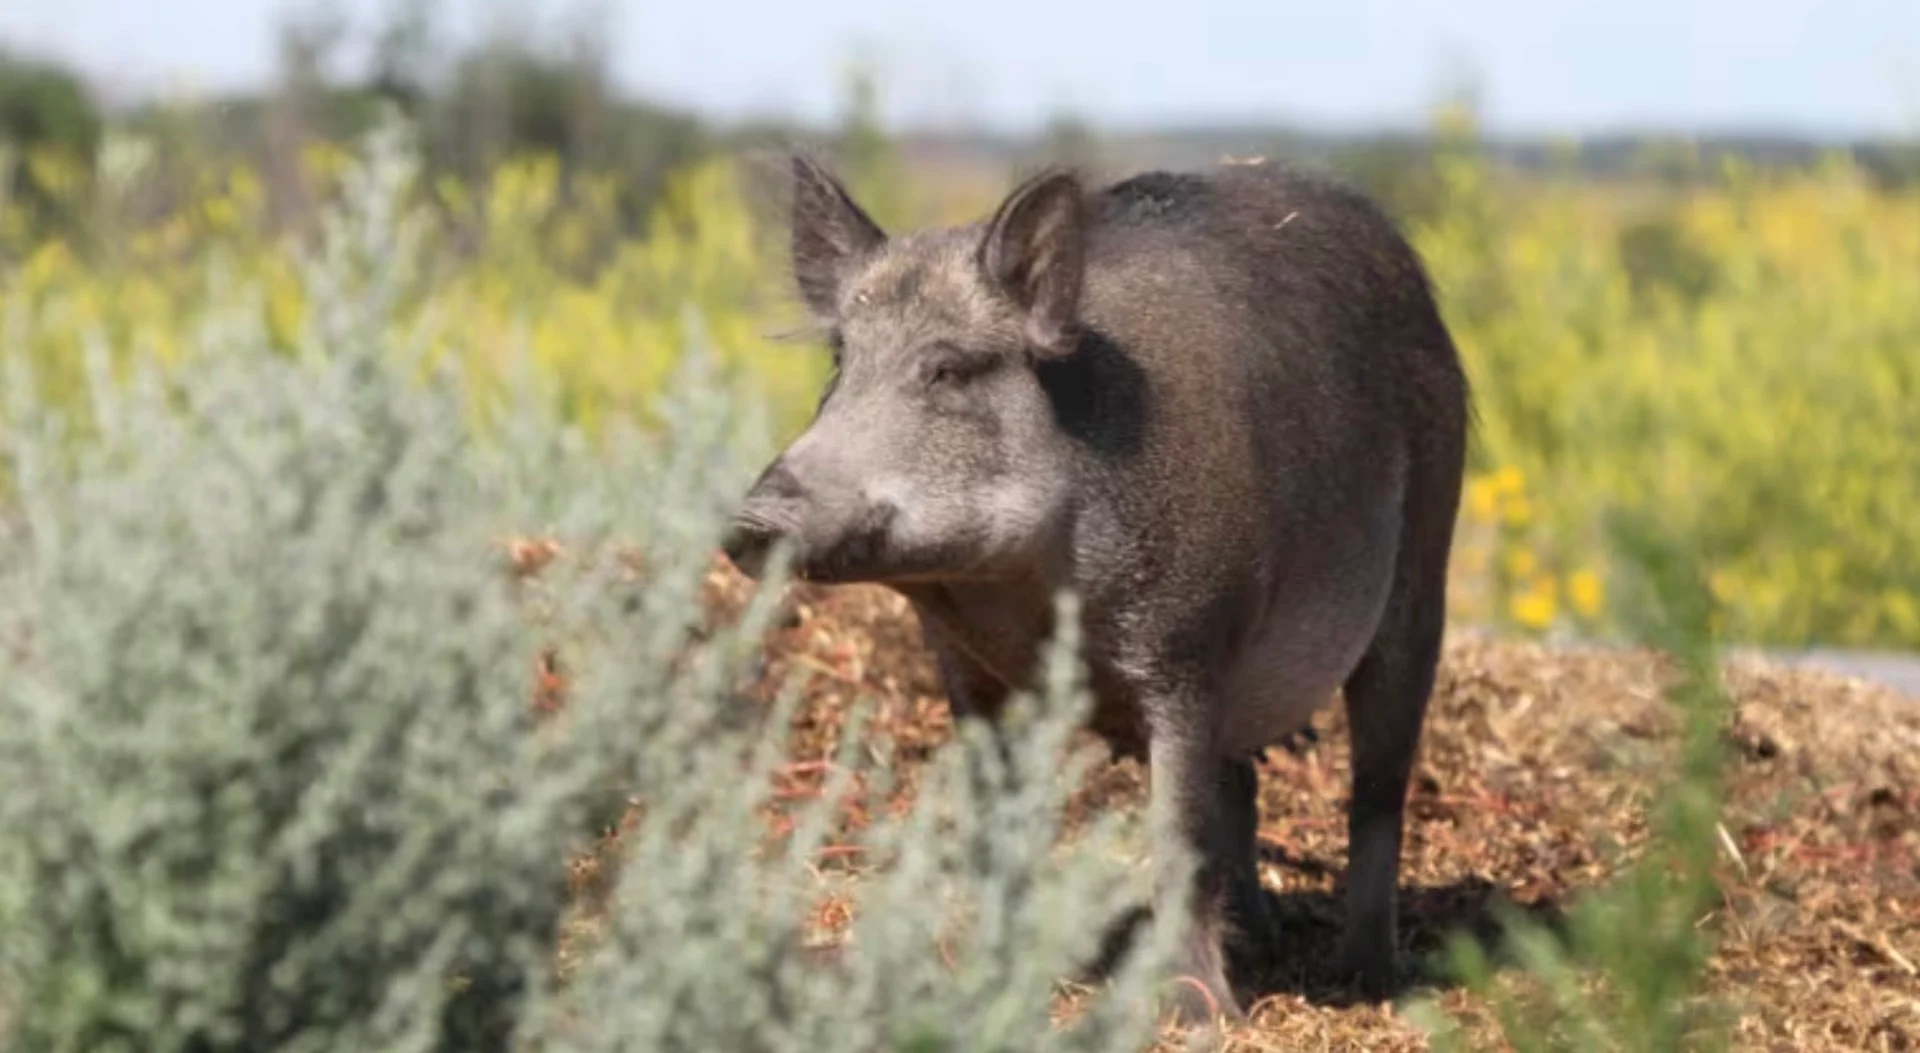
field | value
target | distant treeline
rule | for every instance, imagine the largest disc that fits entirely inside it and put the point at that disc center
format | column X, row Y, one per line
column 517, row 92
column 474, row 108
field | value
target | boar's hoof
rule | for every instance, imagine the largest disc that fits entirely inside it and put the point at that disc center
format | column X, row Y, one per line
column 1200, row 992
column 1372, row 973
column 1191, row 1002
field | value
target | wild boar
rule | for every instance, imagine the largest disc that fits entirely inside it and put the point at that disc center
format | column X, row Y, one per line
column 1223, row 409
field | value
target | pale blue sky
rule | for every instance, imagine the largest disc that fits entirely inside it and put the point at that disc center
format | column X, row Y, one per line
column 1828, row 67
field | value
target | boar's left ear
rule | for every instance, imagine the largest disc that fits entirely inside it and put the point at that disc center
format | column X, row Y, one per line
column 830, row 233
column 1034, row 253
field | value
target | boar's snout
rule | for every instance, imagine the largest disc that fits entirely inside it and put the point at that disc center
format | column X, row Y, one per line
column 838, row 531
column 748, row 542
column 767, row 514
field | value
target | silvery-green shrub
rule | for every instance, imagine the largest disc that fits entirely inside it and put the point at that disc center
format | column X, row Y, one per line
column 270, row 781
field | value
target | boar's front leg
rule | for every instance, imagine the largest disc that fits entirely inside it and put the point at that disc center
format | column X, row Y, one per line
column 972, row 689
column 1210, row 800
column 973, row 693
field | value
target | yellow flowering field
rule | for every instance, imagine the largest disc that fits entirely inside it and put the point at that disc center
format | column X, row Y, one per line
column 1742, row 361
column 520, row 267
column 1765, row 399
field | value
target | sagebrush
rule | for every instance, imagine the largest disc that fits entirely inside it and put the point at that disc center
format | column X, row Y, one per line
column 272, row 779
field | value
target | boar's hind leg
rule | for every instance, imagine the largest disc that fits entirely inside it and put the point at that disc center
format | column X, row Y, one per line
column 1386, row 700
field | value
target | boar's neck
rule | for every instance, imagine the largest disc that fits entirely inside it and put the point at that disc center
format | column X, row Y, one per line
column 1001, row 624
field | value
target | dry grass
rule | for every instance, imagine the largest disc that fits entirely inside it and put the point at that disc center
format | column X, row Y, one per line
column 1532, row 789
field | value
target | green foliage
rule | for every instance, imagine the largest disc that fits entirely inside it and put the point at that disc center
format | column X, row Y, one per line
column 519, row 92
column 45, row 112
column 515, row 99
column 1398, row 172
column 1661, row 263
column 271, row 780
column 42, row 104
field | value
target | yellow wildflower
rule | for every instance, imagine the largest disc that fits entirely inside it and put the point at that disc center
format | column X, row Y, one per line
column 1586, row 592
column 221, row 214
column 1483, row 498
column 1534, row 609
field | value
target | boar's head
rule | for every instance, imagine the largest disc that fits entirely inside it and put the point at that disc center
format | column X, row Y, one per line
column 934, row 454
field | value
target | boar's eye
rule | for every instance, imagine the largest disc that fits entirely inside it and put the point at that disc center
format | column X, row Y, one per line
column 947, row 366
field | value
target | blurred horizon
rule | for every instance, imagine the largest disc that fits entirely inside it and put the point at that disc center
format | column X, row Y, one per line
column 1686, row 68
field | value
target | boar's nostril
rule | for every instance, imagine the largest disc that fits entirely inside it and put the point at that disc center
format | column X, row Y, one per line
column 747, row 543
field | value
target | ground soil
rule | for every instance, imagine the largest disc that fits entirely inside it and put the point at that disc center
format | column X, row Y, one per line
column 1534, row 783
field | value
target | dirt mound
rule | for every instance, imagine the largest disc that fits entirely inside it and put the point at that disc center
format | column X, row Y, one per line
column 1533, row 787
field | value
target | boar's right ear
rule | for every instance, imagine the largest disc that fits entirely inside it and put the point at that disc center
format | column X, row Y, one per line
column 830, row 232
column 1033, row 253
